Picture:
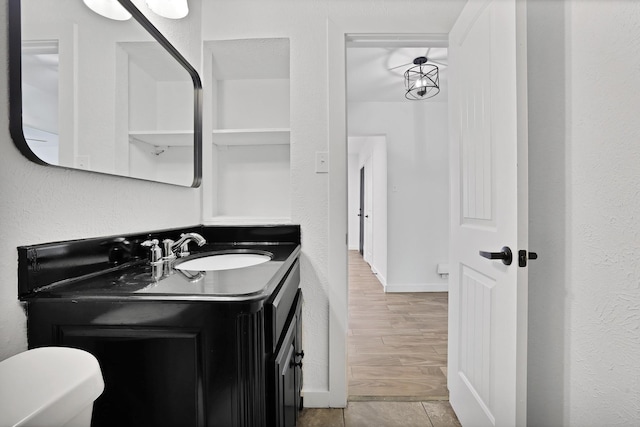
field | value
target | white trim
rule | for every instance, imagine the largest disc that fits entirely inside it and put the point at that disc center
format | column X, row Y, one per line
column 417, row 287
column 380, row 277
column 337, row 271
column 397, row 40
column 316, row 399
column 337, row 260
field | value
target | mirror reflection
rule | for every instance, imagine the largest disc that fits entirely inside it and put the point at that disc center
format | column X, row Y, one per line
column 104, row 95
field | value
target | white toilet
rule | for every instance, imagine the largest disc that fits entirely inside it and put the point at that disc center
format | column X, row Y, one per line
column 49, row 386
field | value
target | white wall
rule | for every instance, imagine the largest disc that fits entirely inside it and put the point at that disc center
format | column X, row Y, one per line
column 43, row 204
column 417, row 187
column 253, row 103
column 584, row 305
column 253, row 180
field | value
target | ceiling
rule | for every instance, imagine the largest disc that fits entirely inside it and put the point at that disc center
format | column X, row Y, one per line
column 376, row 74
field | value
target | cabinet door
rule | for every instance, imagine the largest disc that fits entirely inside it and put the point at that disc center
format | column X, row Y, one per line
column 151, row 375
column 285, row 388
column 299, row 351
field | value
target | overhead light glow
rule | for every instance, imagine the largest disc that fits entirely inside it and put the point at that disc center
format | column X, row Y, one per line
column 109, row 9
column 172, row 9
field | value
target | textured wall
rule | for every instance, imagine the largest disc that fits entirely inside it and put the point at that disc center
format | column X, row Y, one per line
column 584, row 336
column 43, row 204
column 604, row 300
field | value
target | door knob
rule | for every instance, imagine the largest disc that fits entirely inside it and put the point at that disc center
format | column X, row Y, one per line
column 505, row 255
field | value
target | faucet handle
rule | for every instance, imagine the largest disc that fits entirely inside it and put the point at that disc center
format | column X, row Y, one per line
column 155, row 253
column 168, row 251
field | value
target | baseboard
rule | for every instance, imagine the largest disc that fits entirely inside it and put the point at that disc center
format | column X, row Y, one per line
column 417, row 287
column 316, row 399
column 380, row 277
column 354, row 248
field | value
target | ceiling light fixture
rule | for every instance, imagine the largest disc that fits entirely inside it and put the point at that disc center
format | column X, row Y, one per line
column 421, row 80
column 109, row 9
column 172, row 9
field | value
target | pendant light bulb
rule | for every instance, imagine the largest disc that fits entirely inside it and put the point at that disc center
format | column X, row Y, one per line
column 109, row 9
column 172, row 9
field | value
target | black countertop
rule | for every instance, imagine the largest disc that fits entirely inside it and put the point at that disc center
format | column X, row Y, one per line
column 138, row 280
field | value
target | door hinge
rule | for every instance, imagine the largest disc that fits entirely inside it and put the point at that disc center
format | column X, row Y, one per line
column 523, row 256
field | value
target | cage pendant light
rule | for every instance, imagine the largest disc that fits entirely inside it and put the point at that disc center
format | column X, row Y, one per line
column 421, row 81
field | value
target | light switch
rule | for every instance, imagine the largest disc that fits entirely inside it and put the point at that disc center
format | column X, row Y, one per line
column 322, row 162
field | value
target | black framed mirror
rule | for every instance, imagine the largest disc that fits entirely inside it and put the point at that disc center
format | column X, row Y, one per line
column 103, row 95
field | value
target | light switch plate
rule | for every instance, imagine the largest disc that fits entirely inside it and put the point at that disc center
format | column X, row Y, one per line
column 322, row 162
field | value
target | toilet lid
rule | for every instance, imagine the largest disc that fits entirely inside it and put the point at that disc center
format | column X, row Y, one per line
column 47, row 383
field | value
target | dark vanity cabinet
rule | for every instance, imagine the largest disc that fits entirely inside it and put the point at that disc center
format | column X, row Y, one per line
column 285, row 371
column 185, row 361
column 284, row 343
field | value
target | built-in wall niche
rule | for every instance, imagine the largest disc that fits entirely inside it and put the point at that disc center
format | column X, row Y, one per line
column 248, row 87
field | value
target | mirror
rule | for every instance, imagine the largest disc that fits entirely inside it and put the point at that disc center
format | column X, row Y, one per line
column 109, row 96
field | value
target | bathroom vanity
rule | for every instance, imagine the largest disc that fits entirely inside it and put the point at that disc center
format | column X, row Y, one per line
column 177, row 348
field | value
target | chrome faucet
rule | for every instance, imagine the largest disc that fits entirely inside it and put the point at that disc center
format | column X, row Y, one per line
column 181, row 246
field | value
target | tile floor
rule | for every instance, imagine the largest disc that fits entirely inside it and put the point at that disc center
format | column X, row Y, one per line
column 382, row 414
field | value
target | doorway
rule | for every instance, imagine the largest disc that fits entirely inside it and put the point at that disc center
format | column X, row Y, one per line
column 397, row 340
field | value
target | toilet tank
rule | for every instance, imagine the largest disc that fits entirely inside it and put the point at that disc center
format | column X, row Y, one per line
column 49, row 386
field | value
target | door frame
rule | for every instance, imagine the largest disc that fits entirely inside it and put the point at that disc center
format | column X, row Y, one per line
column 402, row 34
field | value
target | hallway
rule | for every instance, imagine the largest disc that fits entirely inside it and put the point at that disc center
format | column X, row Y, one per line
column 397, row 342
column 397, row 358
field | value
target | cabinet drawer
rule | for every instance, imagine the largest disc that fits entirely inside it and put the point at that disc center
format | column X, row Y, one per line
column 277, row 309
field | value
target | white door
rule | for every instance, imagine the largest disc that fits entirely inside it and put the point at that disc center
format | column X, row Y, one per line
column 368, row 210
column 488, row 299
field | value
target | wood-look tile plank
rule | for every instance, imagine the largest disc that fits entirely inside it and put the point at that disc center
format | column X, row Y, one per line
column 387, row 372
column 396, row 342
column 398, row 387
column 385, row 332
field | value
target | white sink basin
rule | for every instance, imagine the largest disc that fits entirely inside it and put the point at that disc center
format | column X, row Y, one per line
column 217, row 262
